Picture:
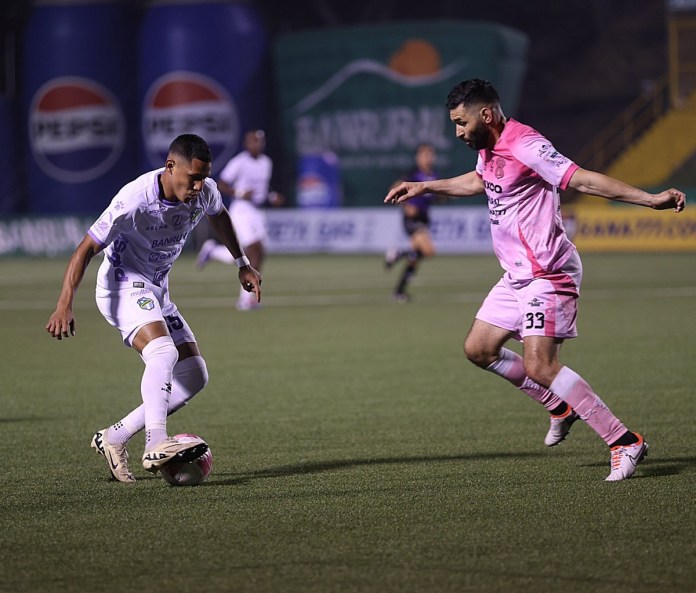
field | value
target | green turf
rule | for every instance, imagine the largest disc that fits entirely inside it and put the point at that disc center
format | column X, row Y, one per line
column 355, row 449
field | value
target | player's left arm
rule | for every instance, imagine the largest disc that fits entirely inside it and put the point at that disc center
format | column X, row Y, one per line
column 597, row 184
column 249, row 278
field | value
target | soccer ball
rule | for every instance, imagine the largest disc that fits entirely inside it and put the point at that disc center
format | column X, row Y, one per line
column 188, row 473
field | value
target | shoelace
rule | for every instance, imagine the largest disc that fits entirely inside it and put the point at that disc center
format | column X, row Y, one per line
column 616, row 455
column 122, row 452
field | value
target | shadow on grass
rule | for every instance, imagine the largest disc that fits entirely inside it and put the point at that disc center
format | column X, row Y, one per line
column 659, row 466
column 316, row 467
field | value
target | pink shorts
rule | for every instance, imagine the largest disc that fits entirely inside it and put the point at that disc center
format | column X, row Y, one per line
column 544, row 306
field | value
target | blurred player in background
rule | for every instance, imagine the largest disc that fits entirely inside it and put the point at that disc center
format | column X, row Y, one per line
column 416, row 220
column 142, row 232
column 536, row 299
column 246, row 179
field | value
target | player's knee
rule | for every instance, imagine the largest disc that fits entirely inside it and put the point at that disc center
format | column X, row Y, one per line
column 428, row 250
column 200, row 374
column 161, row 351
column 477, row 354
column 191, row 375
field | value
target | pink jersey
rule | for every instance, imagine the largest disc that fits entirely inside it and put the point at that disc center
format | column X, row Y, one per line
column 521, row 176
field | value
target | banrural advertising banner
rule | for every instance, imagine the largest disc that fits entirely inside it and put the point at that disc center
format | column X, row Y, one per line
column 372, row 94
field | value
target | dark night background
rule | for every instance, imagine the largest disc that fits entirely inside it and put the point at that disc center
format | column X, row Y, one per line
column 587, row 59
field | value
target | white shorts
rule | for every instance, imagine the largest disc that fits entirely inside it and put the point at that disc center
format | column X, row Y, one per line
column 545, row 306
column 249, row 222
column 131, row 308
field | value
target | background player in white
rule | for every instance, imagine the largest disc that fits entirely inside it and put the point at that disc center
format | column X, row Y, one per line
column 142, row 232
column 246, row 179
column 536, row 299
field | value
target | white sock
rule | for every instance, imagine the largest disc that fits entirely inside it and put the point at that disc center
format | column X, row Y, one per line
column 188, row 378
column 160, row 356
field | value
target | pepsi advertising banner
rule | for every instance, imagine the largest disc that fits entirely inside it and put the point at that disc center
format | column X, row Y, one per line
column 78, row 95
column 8, row 159
column 213, row 84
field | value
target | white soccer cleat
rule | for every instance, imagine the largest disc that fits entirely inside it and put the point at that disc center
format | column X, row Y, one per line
column 625, row 458
column 116, row 457
column 204, row 253
column 173, row 448
column 560, row 426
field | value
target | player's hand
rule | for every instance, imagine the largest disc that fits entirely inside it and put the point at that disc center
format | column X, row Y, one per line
column 61, row 324
column 251, row 280
column 671, row 198
column 403, row 191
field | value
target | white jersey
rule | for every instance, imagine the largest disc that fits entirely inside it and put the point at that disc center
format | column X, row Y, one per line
column 246, row 173
column 144, row 234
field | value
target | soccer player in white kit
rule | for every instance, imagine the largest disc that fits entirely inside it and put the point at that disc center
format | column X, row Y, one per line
column 536, row 299
column 142, row 232
column 246, row 178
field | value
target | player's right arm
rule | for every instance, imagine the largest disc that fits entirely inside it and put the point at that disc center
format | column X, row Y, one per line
column 469, row 184
column 61, row 324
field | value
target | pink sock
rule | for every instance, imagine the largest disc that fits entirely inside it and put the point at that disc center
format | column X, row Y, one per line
column 510, row 366
column 577, row 393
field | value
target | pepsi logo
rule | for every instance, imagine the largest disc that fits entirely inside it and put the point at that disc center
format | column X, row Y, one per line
column 76, row 129
column 189, row 103
column 312, row 190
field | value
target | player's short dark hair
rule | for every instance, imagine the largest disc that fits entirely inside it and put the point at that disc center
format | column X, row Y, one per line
column 190, row 146
column 472, row 92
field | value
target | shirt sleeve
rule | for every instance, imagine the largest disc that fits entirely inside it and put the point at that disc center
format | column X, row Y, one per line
column 213, row 204
column 116, row 218
column 537, row 153
column 479, row 165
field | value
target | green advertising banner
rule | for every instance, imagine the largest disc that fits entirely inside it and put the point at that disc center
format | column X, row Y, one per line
column 371, row 94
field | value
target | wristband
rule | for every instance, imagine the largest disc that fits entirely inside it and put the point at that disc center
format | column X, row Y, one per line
column 242, row 261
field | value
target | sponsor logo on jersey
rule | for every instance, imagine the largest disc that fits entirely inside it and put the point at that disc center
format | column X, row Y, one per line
column 499, row 168
column 76, row 129
column 196, row 215
column 189, row 103
column 157, row 257
column 180, row 238
column 494, row 187
column 146, row 303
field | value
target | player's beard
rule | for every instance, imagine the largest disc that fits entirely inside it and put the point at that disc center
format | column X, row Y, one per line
column 478, row 138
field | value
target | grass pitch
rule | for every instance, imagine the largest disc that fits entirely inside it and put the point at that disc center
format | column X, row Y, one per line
column 354, row 447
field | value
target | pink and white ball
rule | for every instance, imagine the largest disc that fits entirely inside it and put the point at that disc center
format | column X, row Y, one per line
column 188, row 473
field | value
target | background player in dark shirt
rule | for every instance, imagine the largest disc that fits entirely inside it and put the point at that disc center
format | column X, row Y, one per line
column 416, row 219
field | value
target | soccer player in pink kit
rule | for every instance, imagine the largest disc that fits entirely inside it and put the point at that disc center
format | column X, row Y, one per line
column 536, row 299
column 142, row 232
